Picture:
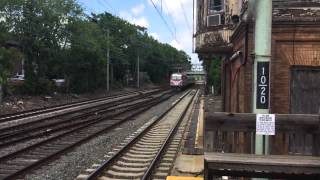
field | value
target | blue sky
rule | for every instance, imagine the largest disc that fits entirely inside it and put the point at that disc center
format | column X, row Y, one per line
column 177, row 13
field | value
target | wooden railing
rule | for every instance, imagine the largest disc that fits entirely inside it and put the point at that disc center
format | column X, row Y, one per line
column 296, row 134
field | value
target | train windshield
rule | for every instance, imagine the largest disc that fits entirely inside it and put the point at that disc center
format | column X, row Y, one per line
column 176, row 76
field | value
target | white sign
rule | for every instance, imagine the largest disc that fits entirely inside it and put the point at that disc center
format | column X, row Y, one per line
column 265, row 124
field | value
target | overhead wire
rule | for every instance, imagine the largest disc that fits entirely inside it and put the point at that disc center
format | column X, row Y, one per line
column 112, row 8
column 172, row 21
column 185, row 16
column 164, row 20
column 102, row 4
column 88, row 8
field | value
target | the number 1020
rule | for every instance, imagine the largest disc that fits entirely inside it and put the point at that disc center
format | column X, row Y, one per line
column 262, row 85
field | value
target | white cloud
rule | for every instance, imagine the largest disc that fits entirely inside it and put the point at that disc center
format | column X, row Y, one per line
column 175, row 44
column 141, row 21
column 138, row 9
column 174, row 10
column 155, row 36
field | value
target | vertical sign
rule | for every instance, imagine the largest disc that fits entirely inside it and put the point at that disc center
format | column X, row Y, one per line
column 262, row 101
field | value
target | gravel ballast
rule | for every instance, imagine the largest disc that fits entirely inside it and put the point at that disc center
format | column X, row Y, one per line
column 72, row 164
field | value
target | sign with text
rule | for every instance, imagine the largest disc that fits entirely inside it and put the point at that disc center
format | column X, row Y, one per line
column 262, row 85
column 265, row 124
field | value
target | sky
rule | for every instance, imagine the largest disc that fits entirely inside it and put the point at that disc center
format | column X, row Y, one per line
column 175, row 29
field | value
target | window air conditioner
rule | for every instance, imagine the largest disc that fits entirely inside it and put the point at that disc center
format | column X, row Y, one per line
column 214, row 20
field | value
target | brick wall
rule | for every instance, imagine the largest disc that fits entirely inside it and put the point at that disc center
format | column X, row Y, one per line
column 291, row 46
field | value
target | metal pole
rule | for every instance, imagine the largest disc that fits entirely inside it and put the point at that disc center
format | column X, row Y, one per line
column 261, row 75
column 138, row 70
column 111, row 74
column 1, row 93
column 108, row 60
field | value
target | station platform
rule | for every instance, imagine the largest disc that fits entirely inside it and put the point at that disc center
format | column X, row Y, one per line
column 183, row 178
column 189, row 163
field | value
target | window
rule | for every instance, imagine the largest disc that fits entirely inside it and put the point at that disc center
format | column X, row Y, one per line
column 216, row 5
column 176, row 76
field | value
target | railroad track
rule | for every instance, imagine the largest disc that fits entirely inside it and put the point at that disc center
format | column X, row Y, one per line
column 35, row 129
column 151, row 153
column 19, row 162
column 46, row 110
column 14, row 130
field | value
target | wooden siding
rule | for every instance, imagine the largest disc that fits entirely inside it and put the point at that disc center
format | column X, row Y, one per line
column 295, row 3
column 305, row 90
column 292, row 45
column 234, row 133
column 289, row 54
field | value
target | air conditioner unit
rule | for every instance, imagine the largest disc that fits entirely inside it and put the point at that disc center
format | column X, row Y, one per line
column 214, row 20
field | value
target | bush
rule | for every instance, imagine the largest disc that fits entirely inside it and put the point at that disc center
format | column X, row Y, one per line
column 41, row 86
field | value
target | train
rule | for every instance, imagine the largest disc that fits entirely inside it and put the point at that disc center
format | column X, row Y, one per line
column 181, row 81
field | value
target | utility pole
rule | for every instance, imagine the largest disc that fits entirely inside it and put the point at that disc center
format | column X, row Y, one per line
column 111, row 73
column 1, row 93
column 138, row 71
column 108, row 60
column 261, row 72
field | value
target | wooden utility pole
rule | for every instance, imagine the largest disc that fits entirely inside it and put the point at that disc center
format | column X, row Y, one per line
column 108, row 60
column 138, row 71
column 1, row 93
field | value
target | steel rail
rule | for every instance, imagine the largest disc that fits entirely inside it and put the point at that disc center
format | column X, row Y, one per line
column 68, row 124
column 113, row 158
column 135, row 111
column 12, row 116
column 33, row 112
column 166, row 143
column 90, row 109
column 103, row 108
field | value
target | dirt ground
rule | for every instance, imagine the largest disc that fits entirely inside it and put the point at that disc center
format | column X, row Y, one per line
column 20, row 103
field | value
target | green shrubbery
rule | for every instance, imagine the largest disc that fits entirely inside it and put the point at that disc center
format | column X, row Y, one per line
column 59, row 41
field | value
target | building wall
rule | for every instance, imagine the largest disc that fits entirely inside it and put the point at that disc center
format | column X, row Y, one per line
column 300, row 47
column 234, row 6
column 291, row 46
column 240, row 74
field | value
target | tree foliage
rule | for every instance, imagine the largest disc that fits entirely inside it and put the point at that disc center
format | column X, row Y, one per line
column 40, row 26
column 7, row 57
column 214, row 75
column 59, row 41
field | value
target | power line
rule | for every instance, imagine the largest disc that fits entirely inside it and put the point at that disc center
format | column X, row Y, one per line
column 112, row 8
column 185, row 16
column 172, row 21
column 101, row 3
column 164, row 20
column 87, row 8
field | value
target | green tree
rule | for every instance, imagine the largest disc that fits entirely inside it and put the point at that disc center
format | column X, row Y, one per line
column 41, row 28
column 7, row 57
column 85, row 67
column 127, row 41
column 58, row 41
column 214, row 75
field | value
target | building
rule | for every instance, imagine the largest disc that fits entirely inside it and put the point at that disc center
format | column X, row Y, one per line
column 225, row 29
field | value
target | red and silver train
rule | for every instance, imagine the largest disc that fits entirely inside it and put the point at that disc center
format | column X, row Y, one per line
column 180, row 80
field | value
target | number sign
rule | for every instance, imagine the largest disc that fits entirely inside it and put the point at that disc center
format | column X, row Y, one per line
column 262, row 85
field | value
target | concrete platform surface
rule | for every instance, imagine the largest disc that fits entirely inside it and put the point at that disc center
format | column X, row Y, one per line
column 188, row 165
column 183, row 178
